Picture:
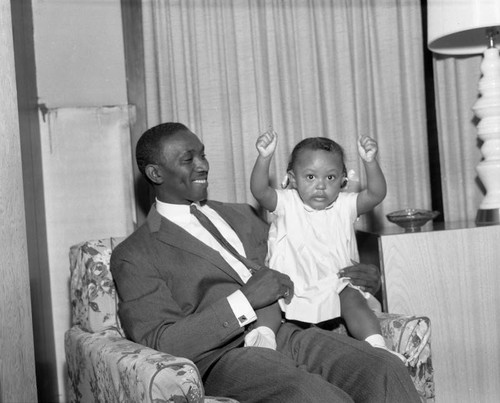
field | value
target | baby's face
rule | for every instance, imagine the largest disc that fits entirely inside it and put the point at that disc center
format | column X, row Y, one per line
column 317, row 175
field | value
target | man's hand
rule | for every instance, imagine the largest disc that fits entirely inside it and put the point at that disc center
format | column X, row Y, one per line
column 267, row 286
column 266, row 143
column 366, row 276
column 367, row 148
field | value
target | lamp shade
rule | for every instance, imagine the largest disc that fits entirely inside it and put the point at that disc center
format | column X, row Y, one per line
column 458, row 27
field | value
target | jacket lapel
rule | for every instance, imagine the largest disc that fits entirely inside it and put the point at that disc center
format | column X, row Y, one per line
column 171, row 234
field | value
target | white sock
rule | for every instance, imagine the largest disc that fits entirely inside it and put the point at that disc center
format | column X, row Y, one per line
column 376, row 340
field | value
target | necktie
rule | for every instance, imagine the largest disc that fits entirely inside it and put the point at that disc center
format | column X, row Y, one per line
column 212, row 229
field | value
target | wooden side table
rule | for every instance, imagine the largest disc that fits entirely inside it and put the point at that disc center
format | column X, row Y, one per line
column 450, row 273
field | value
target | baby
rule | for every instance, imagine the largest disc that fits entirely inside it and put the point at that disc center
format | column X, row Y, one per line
column 312, row 235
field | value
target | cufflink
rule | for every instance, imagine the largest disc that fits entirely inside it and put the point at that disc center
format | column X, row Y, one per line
column 242, row 319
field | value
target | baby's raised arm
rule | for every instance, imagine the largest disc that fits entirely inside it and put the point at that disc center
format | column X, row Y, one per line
column 376, row 187
column 266, row 144
column 367, row 148
column 259, row 180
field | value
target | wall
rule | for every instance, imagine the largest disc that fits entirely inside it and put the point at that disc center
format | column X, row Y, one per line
column 17, row 370
column 84, row 135
column 88, row 194
column 79, row 53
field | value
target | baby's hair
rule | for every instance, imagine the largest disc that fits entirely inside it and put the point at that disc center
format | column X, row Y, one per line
column 315, row 143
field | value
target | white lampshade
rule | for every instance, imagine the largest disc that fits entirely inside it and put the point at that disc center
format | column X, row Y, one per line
column 458, row 27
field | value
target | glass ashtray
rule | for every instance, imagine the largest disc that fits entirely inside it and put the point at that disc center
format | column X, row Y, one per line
column 410, row 219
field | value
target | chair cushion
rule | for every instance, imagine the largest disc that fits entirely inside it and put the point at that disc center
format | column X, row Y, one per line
column 92, row 290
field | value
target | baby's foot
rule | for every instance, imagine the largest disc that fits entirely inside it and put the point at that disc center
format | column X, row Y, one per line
column 377, row 341
column 400, row 356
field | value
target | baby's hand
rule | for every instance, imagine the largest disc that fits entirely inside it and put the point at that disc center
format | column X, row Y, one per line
column 367, row 148
column 266, row 143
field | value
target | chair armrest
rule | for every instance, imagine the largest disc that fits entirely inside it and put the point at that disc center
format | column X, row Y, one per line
column 105, row 367
column 410, row 336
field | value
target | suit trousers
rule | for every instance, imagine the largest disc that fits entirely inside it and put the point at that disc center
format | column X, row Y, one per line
column 311, row 365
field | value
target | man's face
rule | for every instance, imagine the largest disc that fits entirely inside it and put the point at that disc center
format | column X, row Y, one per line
column 317, row 175
column 183, row 168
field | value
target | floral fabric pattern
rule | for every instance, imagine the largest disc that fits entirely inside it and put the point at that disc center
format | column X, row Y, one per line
column 103, row 366
column 409, row 336
column 93, row 296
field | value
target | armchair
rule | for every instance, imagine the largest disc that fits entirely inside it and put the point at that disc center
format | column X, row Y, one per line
column 104, row 366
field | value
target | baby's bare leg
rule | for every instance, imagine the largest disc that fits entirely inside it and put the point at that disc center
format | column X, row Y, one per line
column 360, row 319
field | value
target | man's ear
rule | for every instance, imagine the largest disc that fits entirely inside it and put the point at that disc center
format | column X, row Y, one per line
column 154, row 174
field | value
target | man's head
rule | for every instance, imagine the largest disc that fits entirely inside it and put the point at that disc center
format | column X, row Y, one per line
column 172, row 158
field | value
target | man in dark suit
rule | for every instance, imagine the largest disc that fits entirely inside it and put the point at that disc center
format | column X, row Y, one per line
column 181, row 292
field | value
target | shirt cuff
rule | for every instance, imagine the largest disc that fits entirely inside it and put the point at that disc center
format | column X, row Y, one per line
column 261, row 337
column 241, row 308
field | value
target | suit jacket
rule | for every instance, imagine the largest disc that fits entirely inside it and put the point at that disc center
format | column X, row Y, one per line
column 173, row 288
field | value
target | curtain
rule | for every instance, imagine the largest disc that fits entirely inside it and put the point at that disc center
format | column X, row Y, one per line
column 230, row 70
column 456, row 81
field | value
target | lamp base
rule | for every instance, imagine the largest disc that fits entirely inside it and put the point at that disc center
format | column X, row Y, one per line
column 487, row 109
column 488, row 216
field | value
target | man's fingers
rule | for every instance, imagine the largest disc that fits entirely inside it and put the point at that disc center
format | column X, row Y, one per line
column 362, row 275
column 289, row 289
column 288, row 295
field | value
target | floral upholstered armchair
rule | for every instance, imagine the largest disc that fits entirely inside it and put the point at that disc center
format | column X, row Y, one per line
column 104, row 366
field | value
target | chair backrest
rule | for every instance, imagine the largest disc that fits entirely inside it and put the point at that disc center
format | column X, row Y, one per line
column 94, row 302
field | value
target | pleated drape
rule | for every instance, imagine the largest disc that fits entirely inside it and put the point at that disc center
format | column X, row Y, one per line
column 230, row 69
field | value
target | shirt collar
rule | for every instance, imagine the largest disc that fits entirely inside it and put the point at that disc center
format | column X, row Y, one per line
column 178, row 213
column 309, row 209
